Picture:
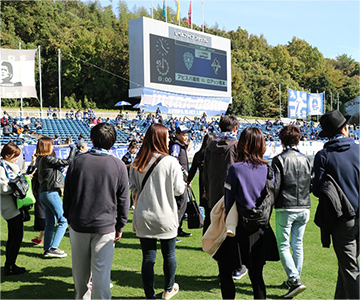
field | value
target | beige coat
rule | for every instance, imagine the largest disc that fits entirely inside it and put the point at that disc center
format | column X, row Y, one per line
column 221, row 226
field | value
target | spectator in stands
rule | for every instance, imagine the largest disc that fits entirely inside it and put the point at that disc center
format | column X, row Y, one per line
column 17, row 129
column 80, row 138
column 126, row 116
column 219, row 156
column 158, row 111
column 56, row 140
column 38, row 124
column 156, row 212
column 50, row 182
column 4, row 120
column 48, row 112
column 81, row 147
column 198, row 163
column 292, row 172
column 178, row 149
column 244, row 184
column 55, row 113
column 78, row 115
column 9, row 170
column 97, row 215
column 72, row 113
column 27, row 123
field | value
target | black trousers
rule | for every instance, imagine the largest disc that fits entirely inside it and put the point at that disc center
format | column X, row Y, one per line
column 15, row 236
column 228, row 286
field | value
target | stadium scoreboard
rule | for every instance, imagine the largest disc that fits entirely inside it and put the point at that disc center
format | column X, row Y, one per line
column 177, row 59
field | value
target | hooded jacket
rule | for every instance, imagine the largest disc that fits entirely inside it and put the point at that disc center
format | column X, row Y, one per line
column 340, row 158
column 219, row 156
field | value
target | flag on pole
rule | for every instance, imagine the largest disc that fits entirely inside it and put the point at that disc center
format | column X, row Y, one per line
column 297, row 104
column 315, row 104
column 178, row 11
column 189, row 14
column 164, row 9
column 17, row 73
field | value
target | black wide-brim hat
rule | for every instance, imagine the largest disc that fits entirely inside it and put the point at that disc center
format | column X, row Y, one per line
column 331, row 122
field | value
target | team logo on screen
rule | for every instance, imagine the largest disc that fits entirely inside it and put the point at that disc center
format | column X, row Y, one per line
column 216, row 65
column 188, row 60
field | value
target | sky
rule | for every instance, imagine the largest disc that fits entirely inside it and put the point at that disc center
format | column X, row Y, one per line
column 331, row 26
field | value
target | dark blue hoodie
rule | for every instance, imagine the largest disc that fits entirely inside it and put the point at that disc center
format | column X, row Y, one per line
column 340, row 158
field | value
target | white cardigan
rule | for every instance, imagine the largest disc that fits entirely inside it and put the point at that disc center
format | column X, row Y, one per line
column 156, row 212
column 8, row 207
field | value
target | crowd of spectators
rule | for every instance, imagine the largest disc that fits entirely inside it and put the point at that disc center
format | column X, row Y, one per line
column 22, row 129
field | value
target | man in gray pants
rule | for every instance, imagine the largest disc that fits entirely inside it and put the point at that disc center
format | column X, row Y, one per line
column 96, row 198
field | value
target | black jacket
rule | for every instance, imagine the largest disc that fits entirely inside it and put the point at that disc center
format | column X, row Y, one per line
column 49, row 171
column 333, row 206
column 219, row 156
column 292, row 179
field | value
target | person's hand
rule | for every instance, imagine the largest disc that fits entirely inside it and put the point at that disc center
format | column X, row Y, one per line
column 189, row 184
column 118, row 236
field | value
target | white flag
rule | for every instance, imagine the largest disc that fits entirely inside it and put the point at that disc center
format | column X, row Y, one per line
column 17, row 73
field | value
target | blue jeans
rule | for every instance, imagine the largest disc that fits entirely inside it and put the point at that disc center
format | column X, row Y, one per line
column 148, row 247
column 54, row 213
column 290, row 228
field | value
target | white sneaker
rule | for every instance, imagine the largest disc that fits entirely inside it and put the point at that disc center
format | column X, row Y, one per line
column 55, row 252
column 173, row 292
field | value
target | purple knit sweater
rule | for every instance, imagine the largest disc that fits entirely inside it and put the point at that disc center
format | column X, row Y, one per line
column 244, row 184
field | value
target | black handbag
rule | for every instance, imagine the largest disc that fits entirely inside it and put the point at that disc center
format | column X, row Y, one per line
column 195, row 219
column 20, row 186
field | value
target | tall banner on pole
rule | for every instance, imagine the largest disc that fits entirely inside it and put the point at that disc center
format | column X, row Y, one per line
column 315, row 104
column 297, row 104
column 17, row 73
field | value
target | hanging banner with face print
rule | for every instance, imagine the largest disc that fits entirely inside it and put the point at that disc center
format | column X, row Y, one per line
column 17, row 73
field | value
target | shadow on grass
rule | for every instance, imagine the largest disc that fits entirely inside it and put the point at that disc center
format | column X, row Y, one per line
column 35, row 285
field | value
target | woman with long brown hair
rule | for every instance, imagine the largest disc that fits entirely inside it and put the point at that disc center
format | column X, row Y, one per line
column 244, row 186
column 155, row 215
column 51, row 181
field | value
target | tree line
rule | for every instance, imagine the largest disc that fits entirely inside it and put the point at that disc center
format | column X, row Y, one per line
column 91, row 37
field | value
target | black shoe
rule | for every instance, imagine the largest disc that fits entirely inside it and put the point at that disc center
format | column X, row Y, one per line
column 184, row 234
column 295, row 288
column 14, row 270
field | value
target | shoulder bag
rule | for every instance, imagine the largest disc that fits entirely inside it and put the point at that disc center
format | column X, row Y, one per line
column 259, row 216
column 194, row 217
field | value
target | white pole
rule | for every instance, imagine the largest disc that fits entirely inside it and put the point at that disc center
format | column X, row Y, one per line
column 280, row 100
column 337, row 106
column 166, row 11
column 179, row 12
column 331, row 100
column 59, row 64
column 21, row 99
column 41, row 99
column 152, row 9
column 203, row 21
column 324, row 103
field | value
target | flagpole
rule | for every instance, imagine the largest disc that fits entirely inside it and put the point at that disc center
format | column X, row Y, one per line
column 280, row 100
column 59, row 69
column 166, row 11
column 203, row 21
column 21, row 99
column 179, row 11
column 337, row 106
column 40, row 80
column 152, row 9
column 331, row 100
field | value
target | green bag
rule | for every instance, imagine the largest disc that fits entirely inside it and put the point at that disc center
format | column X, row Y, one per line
column 29, row 198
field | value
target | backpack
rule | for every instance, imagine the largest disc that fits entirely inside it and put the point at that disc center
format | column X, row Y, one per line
column 259, row 216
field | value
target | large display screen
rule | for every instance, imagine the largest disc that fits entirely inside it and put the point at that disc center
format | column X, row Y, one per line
column 175, row 62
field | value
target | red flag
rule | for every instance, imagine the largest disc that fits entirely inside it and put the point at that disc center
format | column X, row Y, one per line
column 189, row 14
